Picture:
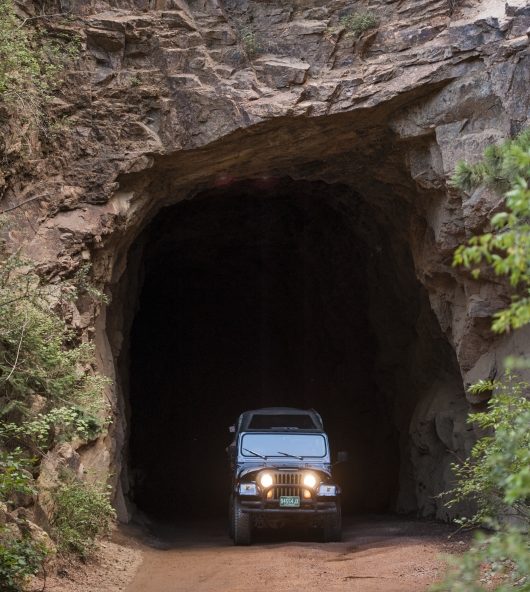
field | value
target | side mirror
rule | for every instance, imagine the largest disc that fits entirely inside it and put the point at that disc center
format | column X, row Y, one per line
column 232, row 429
column 342, row 456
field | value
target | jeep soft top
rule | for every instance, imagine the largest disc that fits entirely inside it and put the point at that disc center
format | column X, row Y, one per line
column 279, row 418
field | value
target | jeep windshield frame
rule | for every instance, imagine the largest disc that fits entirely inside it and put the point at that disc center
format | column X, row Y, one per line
column 284, row 445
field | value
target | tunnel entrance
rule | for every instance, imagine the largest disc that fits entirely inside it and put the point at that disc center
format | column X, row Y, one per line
column 277, row 292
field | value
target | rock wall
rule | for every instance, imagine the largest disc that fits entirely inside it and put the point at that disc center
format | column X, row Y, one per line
column 175, row 97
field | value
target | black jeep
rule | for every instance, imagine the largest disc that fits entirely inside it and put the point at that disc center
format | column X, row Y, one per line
column 281, row 467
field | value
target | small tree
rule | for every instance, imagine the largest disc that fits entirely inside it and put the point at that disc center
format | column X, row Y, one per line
column 497, row 474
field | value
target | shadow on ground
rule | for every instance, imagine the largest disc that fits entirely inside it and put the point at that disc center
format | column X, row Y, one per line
column 359, row 533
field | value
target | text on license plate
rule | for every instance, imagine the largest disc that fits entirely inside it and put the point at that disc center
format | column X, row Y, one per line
column 289, row 501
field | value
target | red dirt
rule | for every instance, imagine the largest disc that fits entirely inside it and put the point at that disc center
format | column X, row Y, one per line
column 377, row 554
column 111, row 569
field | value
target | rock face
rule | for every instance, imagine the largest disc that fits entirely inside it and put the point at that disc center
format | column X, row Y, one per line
column 174, row 98
column 16, row 525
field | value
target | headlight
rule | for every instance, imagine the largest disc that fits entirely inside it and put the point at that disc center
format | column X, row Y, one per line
column 265, row 480
column 310, row 480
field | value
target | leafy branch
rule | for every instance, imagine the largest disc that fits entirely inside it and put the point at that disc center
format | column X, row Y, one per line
column 496, row 476
column 506, row 247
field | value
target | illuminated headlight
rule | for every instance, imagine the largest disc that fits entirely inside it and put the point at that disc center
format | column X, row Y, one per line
column 310, row 480
column 325, row 490
column 265, row 480
column 248, row 489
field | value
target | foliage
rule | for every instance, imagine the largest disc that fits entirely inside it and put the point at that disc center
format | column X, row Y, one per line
column 501, row 168
column 33, row 60
column 60, row 424
column 19, row 64
column 506, row 248
column 19, row 559
column 29, row 61
column 39, row 355
column 250, row 42
column 499, row 562
column 358, row 22
column 43, row 364
column 49, row 393
column 82, row 512
column 15, row 475
column 497, row 474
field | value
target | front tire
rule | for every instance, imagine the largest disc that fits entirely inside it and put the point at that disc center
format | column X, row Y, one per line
column 231, row 517
column 332, row 528
column 242, row 525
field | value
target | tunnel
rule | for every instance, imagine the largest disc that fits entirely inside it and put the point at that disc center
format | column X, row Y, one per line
column 278, row 292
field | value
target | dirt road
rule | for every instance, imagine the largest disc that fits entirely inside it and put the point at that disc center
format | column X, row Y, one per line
column 377, row 554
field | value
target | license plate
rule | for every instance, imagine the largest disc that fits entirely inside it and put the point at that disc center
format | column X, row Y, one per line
column 289, row 501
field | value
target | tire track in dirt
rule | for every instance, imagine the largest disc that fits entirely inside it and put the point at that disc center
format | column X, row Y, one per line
column 377, row 554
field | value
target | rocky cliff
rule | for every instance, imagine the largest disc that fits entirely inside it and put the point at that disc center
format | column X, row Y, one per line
column 175, row 98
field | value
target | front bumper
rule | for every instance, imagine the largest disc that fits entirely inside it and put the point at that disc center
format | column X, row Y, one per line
column 289, row 512
column 307, row 509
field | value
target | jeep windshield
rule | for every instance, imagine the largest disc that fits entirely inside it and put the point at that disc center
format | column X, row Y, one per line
column 299, row 446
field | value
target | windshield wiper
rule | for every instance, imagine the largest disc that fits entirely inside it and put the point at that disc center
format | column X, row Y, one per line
column 255, row 453
column 291, row 455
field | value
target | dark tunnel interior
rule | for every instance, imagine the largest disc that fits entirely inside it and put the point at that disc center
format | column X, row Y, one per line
column 253, row 294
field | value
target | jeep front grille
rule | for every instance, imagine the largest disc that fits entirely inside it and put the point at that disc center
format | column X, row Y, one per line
column 287, row 483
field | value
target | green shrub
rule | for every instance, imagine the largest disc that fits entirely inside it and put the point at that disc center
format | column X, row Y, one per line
column 19, row 559
column 497, row 478
column 19, row 64
column 33, row 61
column 497, row 474
column 61, row 424
column 30, row 60
column 499, row 562
column 82, row 512
column 40, row 356
column 359, row 22
column 49, row 393
column 15, row 475
column 501, row 168
column 250, row 42
column 506, row 248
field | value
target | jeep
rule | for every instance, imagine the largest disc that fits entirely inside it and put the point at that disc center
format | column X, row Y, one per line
column 281, row 474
